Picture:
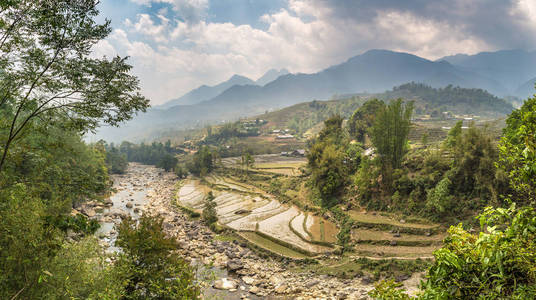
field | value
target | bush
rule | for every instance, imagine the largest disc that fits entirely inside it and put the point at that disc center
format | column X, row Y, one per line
column 497, row 264
column 150, row 265
column 209, row 212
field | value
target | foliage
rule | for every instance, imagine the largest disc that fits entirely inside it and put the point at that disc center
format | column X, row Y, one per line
column 454, row 135
column 80, row 271
column 439, row 199
column 168, row 162
column 150, row 265
column 518, row 150
column 47, row 69
column 499, row 263
column 389, row 290
column 390, row 132
column 247, row 160
column 452, row 98
column 202, row 162
column 230, row 130
column 473, row 166
column 116, row 162
column 157, row 154
column 327, row 160
column 363, row 118
column 78, row 223
column 209, row 212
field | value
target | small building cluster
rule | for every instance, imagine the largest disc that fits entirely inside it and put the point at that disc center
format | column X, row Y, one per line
column 297, row 153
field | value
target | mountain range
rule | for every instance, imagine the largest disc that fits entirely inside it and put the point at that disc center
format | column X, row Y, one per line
column 502, row 73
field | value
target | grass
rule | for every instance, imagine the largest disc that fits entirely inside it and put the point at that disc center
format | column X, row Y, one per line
column 379, row 219
column 271, row 246
column 348, row 267
column 394, row 251
column 381, row 237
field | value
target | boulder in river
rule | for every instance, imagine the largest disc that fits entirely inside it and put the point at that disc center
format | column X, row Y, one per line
column 225, row 284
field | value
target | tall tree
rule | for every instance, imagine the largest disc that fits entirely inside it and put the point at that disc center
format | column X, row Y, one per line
column 46, row 68
column 390, row 132
column 363, row 118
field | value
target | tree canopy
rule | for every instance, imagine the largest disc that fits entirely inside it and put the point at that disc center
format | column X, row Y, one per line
column 46, row 69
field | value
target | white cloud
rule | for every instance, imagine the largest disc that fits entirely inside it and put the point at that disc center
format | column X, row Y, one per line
column 188, row 10
column 305, row 37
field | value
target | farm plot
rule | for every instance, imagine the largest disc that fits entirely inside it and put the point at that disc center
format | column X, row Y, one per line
column 376, row 219
column 271, row 163
column 278, row 227
column 249, row 222
column 191, row 194
column 321, row 230
column 373, row 236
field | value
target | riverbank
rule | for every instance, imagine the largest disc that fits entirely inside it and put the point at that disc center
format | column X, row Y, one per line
column 241, row 273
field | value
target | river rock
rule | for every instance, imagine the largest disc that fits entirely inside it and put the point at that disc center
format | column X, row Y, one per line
column 248, row 280
column 281, row 289
column 129, row 205
column 234, row 265
column 225, row 284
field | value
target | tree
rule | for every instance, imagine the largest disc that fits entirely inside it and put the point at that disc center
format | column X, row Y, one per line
column 150, row 265
column 202, row 162
column 389, row 135
column 498, row 263
column 209, row 212
column 363, row 118
column 327, row 160
column 518, row 150
column 167, row 162
column 46, row 69
column 247, row 160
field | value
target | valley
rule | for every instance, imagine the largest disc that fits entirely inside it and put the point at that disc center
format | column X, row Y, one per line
column 273, row 251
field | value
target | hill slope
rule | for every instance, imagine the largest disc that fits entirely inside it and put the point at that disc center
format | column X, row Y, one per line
column 511, row 68
column 204, row 92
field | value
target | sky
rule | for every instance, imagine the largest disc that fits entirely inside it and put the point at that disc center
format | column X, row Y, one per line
column 175, row 46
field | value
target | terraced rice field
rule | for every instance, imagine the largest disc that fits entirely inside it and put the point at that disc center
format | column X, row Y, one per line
column 271, row 163
column 395, row 251
column 321, row 230
column 373, row 218
column 278, row 227
column 380, row 236
column 264, row 220
column 271, row 246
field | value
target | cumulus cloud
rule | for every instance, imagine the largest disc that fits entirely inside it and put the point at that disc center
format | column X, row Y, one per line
column 180, row 52
column 188, row 10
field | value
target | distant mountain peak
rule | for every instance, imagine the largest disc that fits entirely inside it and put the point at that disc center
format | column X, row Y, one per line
column 271, row 75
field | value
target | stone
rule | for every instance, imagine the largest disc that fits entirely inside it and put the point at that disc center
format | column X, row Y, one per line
column 129, row 205
column 254, row 290
column 248, row 280
column 393, row 243
column 366, row 280
column 281, row 289
column 234, row 265
column 311, row 283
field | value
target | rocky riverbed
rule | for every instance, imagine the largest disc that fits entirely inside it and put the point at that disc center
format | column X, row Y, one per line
column 240, row 272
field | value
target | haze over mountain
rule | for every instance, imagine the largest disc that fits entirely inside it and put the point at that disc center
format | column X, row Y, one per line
column 270, row 76
column 204, row 92
column 374, row 71
column 512, row 68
